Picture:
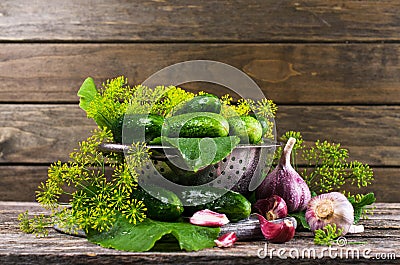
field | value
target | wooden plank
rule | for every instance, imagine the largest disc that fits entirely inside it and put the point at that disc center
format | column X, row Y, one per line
column 35, row 133
column 19, row 183
column 287, row 73
column 213, row 20
column 16, row 247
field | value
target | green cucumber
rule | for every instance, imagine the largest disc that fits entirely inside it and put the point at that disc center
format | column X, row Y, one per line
column 161, row 204
column 134, row 125
column 203, row 103
column 234, row 205
column 196, row 125
column 247, row 128
column 263, row 121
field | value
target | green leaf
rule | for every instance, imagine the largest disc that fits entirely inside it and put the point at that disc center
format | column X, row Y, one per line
column 359, row 203
column 301, row 219
column 200, row 152
column 87, row 93
column 143, row 236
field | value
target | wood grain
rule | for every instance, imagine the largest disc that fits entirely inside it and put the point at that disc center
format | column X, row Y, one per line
column 286, row 73
column 213, row 20
column 16, row 247
column 36, row 133
column 19, row 183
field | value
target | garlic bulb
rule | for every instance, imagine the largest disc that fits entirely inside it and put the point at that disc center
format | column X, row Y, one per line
column 285, row 182
column 330, row 208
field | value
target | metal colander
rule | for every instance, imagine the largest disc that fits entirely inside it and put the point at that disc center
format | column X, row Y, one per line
column 241, row 171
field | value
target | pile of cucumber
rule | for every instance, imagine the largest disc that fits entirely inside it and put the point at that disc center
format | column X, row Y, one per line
column 197, row 118
column 164, row 205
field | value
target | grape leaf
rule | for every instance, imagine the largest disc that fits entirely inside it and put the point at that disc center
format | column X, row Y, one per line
column 360, row 204
column 201, row 152
column 301, row 219
column 143, row 236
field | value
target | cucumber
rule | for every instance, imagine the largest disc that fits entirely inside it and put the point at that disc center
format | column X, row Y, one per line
column 234, row 205
column 203, row 103
column 137, row 124
column 196, row 125
column 247, row 128
column 263, row 122
column 161, row 204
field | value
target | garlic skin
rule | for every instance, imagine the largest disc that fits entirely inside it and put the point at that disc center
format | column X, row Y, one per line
column 208, row 218
column 279, row 230
column 285, row 182
column 272, row 208
column 226, row 240
column 330, row 208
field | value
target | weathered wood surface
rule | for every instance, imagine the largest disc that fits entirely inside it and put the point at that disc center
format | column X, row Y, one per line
column 178, row 20
column 33, row 133
column 19, row 183
column 382, row 236
column 287, row 73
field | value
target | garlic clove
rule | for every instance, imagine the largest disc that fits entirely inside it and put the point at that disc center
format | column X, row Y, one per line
column 272, row 208
column 330, row 208
column 208, row 218
column 226, row 240
column 279, row 230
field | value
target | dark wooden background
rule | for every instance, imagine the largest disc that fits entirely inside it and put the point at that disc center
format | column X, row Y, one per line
column 333, row 68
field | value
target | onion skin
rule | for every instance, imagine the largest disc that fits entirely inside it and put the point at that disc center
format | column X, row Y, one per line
column 272, row 208
column 285, row 182
column 330, row 208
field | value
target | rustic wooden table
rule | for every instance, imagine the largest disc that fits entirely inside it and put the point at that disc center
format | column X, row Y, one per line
column 382, row 237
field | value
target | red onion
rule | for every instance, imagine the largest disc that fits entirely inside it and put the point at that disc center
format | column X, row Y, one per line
column 285, row 182
column 272, row 208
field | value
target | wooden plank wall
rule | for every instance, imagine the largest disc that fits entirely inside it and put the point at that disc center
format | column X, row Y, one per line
column 333, row 68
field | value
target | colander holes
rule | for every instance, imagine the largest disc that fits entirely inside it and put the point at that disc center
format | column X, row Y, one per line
column 219, row 181
column 162, row 170
column 237, row 172
column 233, row 158
column 142, row 172
column 244, row 168
column 148, row 166
column 224, row 160
column 211, row 184
column 223, row 173
column 231, row 167
column 229, row 177
column 155, row 162
column 240, row 161
column 216, row 166
column 211, row 174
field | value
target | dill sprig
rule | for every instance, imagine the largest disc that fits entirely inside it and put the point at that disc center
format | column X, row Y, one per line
column 327, row 165
column 99, row 185
column 328, row 235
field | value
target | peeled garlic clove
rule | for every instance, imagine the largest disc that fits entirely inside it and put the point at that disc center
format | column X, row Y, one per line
column 226, row 240
column 208, row 218
column 330, row 208
column 272, row 208
column 278, row 231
